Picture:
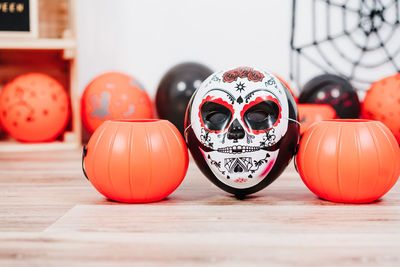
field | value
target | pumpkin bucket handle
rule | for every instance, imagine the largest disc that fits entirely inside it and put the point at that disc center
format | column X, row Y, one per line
column 295, row 153
column 84, row 152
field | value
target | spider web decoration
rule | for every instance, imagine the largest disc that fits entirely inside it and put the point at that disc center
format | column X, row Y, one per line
column 356, row 39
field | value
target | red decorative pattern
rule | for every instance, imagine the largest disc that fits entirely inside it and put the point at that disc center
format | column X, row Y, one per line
column 242, row 72
column 240, row 180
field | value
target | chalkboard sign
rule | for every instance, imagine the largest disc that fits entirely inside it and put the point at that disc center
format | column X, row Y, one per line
column 18, row 18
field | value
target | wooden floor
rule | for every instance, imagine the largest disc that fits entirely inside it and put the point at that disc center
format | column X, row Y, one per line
column 51, row 215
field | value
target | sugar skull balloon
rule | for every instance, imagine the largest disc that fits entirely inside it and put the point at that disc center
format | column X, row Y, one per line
column 242, row 129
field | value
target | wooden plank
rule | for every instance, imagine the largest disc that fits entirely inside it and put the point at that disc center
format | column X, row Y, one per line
column 193, row 249
column 53, row 18
column 14, row 146
column 261, row 218
column 50, row 215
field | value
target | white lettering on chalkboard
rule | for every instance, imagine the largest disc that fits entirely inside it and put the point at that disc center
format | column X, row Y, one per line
column 11, row 7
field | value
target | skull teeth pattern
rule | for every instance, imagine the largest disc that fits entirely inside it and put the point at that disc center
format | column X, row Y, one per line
column 238, row 149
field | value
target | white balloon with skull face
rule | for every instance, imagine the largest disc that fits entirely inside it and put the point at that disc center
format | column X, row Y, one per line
column 239, row 116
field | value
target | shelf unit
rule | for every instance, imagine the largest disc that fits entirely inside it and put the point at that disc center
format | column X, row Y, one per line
column 40, row 43
column 54, row 53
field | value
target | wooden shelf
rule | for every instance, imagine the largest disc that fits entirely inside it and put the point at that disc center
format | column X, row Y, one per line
column 52, row 53
column 39, row 43
column 9, row 146
column 71, row 141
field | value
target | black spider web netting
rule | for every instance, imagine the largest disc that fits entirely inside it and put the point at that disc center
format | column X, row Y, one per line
column 356, row 39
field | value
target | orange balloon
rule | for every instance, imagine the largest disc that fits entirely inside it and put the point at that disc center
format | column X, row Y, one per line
column 351, row 161
column 34, row 107
column 382, row 102
column 310, row 113
column 287, row 86
column 114, row 95
column 136, row 160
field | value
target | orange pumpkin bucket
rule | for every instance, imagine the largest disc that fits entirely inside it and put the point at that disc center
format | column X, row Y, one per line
column 136, row 160
column 351, row 161
column 310, row 113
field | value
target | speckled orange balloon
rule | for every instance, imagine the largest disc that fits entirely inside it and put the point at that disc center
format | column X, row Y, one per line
column 34, row 107
column 111, row 96
column 382, row 102
column 288, row 87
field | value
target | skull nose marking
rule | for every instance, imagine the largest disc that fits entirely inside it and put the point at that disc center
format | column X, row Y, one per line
column 236, row 130
column 238, row 169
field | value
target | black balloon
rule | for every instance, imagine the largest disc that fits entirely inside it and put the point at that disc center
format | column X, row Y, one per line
column 335, row 91
column 175, row 90
column 256, row 149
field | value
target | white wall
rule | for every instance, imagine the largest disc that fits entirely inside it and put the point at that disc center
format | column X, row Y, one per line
column 146, row 37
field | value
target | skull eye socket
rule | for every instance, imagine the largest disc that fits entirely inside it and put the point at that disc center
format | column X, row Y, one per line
column 257, row 116
column 262, row 116
column 215, row 116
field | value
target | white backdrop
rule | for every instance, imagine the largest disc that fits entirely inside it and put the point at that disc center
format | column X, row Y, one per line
column 145, row 38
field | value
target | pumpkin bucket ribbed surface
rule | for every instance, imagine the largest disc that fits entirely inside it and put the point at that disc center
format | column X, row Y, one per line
column 352, row 161
column 136, row 160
